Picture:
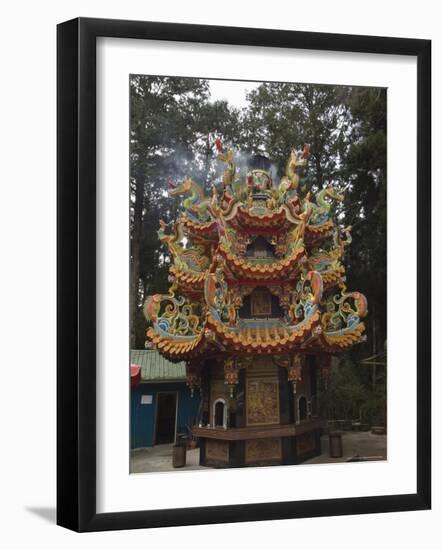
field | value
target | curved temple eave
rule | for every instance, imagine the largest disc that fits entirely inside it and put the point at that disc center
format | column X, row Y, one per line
column 172, row 347
column 343, row 339
column 286, row 267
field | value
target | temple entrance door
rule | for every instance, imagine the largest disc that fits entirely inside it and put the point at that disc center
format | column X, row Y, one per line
column 165, row 425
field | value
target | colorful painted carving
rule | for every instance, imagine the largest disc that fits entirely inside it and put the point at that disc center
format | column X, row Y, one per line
column 253, row 235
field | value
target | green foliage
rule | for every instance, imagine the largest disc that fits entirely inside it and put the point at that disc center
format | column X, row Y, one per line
column 282, row 116
column 344, row 394
column 365, row 171
column 350, row 394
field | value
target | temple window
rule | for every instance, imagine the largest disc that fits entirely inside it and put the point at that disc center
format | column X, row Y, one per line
column 260, row 248
column 220, row 414
column 260, row 304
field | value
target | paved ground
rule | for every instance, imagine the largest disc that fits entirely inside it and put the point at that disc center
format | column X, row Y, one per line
column 159, row 458
column 362, row 444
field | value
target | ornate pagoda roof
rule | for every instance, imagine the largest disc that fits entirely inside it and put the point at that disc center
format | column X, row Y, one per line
column 255, row 233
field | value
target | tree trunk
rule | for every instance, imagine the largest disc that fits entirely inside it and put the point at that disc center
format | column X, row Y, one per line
column 135, row 252
column 374, row 349
column 318, row 167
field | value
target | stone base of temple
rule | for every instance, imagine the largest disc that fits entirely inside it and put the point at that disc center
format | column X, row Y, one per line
column 264, row 446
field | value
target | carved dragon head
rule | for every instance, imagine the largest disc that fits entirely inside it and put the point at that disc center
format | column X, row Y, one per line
column 334, row 194
column 299, row 159
column 181, row 188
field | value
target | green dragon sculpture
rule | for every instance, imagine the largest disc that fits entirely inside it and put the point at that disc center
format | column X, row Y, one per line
column 195, row 205
column 294, row 172
column 321, row 209
column 192, row 258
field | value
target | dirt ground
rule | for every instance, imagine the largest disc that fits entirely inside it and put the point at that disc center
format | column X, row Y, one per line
column 362, row 444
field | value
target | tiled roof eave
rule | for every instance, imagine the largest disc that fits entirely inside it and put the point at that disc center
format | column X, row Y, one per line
column 264, row 340
column 282, row 268
column 155, row 367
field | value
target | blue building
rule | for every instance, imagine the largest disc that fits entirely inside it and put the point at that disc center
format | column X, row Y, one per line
column 161, row 404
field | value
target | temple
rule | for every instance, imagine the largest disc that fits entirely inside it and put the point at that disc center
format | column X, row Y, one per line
column 257, row 307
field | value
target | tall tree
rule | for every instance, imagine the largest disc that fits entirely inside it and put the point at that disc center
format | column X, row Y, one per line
column 281, row 116
column 365, row 171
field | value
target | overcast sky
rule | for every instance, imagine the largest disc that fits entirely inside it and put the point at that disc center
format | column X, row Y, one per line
column 233, row 91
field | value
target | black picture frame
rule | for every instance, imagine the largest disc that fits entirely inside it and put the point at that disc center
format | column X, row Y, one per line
column 76, row 273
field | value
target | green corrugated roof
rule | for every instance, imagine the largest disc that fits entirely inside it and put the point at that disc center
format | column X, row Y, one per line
column 155, row 367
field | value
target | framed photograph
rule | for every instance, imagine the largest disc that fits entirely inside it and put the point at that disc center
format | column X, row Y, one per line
column 243, row 219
